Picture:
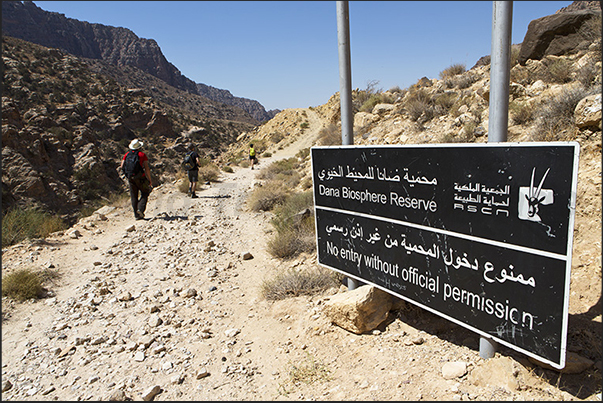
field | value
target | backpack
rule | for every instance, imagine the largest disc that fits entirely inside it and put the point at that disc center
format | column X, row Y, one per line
column 132, row 164
column 189, row 162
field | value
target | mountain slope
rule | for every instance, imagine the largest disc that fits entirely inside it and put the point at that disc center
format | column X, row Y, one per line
column 113, row 45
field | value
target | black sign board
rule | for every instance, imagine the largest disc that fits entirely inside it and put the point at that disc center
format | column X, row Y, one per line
column 480, row 234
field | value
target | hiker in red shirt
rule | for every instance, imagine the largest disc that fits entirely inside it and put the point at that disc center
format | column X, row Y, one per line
column 135, row 166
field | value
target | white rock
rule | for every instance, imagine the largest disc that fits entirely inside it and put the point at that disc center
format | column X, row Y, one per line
column 455, row 369
column 150, row 393
column 232, row 332
column 155, row 321
column 202, row 373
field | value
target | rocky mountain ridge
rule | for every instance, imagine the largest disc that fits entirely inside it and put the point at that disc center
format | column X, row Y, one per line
column 114, row 45
column 254, row 108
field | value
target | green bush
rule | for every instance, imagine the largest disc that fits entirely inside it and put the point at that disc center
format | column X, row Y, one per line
column 20, row 224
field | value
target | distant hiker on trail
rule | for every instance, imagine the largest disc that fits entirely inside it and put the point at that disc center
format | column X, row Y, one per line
column 252, row 158
column 135, row 166
column 191, row 164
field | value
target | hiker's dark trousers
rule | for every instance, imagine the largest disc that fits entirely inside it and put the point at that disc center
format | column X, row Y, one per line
column 139, row 187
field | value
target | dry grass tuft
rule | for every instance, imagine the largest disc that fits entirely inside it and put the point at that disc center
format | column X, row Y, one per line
column 25, row 284
column 295, row 283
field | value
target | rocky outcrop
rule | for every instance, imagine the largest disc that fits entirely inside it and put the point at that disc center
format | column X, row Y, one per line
column 556, row 34
column 588, row 112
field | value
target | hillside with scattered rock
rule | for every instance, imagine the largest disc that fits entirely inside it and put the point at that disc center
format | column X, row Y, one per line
column 67, row 121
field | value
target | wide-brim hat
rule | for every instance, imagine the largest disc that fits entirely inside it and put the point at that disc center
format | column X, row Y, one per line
column 135, row 144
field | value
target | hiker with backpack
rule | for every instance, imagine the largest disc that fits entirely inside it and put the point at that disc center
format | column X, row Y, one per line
column 191, row 165
column 135, row 166
column 252, row 157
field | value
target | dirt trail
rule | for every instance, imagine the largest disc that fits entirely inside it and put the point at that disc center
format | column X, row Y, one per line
column 172, row 302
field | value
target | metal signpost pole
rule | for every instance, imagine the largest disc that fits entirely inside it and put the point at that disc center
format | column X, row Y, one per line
column 345, row 85
column 500, row 66
column 345, row 72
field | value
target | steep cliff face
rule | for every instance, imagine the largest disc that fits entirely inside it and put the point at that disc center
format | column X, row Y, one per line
column 118, row 46
column 113, row 45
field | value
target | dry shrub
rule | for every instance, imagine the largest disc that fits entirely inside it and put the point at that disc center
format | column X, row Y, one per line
column 521, row 113
column 453, row 70
column 360, row 97
column 329, row 136
column 285, row 171
column 309, row 371
column 280, row 178
column 209, row 173
column 306, row 371
column 265, row 198
column 397, row 90
column 20, row 224
column 295, row 283
column 521, row 75
column 294, row 224
column 376, row 99
column 591, row 31
column 589, row 75
column 25, row 284
column 445, row 101
column 303, row 153
column 418, row 105
column 464, row 81
column 276, row 137
column 555, row 117
column 559, row 71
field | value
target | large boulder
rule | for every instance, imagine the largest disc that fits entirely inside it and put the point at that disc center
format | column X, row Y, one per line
column 588, row 112
column 360, row 310
column 556, row 34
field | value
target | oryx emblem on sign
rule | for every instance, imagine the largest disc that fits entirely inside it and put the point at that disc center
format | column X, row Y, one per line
column 531, row 199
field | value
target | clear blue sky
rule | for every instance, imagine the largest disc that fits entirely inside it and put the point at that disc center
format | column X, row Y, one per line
column 284, row 53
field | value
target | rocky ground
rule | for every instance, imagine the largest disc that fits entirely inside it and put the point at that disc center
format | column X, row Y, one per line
column 169, row 308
